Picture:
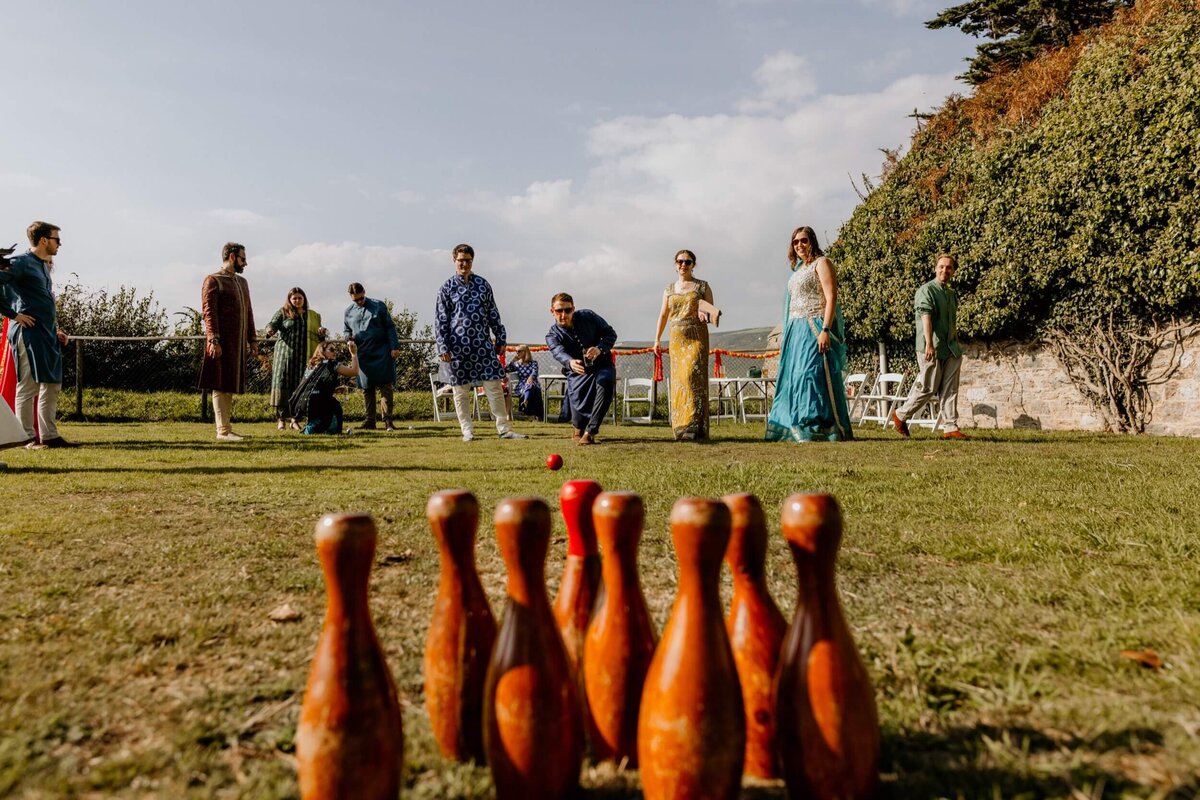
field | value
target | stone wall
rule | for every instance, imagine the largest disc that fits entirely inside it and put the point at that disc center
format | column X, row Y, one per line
column 1023, row 385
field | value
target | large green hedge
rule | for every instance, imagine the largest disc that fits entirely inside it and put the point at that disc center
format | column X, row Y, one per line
column 1085, row 208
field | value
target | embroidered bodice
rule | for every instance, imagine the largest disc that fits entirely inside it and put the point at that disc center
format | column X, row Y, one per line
column 805, row 297
column 684, row 306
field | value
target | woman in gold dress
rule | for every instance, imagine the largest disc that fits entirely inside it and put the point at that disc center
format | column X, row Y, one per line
column 689, row 349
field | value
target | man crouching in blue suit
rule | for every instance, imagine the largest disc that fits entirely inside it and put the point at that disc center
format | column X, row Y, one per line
column 582, row 341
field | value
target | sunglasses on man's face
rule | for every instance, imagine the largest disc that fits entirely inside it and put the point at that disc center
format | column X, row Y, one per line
column 563, row 310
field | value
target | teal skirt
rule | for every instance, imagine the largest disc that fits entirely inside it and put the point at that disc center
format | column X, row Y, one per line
column 810, row 394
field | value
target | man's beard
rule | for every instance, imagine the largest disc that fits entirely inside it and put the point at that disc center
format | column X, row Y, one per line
column 239, row 268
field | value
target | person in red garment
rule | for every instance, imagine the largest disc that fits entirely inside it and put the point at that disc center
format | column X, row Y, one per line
column 229, row 336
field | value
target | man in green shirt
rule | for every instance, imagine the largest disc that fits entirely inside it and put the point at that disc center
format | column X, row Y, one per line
column 938, row 352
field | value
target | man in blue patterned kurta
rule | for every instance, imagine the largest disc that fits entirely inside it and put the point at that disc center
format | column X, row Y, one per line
column 469, row 338
column 582, row 342
column 369, row 325
column 34, row 335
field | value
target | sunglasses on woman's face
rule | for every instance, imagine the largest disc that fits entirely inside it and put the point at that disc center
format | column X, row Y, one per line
column 686, row 262
column 800, row 240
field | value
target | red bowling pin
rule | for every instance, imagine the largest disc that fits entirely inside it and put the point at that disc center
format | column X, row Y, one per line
column 620, row 638
column 461, row 631
column 581, row 574
column 692, row 726
column 350, row 741
column 533, row 727
column 756, row 628
column 827, row 725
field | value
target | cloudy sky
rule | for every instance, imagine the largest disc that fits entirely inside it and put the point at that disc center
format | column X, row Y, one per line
column 576, row 145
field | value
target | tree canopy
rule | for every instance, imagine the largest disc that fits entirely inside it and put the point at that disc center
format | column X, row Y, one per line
column 1019, row 30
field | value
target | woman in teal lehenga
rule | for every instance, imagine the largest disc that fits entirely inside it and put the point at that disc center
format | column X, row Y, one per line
column 810, row 395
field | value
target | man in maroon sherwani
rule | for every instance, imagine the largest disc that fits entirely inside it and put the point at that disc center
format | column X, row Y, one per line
column 230, row 336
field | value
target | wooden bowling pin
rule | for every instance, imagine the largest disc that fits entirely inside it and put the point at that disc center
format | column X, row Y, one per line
column 620, row 637
column 581, row 573
column 826, row 722
column 692, row 726
column 533, row 727
column 756, row 628
column 461, row 631
column 350, row 741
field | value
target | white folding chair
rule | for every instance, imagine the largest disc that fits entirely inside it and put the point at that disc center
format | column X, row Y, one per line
column 928, row 416
column 443, row 398
column 854, row 392
column 637, row 391
column 877, row 404
column 721, row 403
column 752, row 391
column 554, row 387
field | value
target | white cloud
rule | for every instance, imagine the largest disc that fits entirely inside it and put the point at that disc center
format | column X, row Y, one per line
column 236, row 216
column 21, row 181
column 784, row 79
column 408, row 196
column 729, row 186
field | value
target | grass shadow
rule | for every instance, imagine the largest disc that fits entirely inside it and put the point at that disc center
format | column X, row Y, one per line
column 226, row 470
column 949, row 764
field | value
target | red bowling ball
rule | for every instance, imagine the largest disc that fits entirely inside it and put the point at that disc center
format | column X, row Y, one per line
column 554, row 461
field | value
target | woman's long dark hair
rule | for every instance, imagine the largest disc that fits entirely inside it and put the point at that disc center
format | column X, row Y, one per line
column 290, row 312
column 812, row 239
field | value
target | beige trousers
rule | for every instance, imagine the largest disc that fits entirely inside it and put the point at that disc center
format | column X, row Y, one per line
column 222, row 409
column 935, row 379
column 29, row 391
column 463, row 408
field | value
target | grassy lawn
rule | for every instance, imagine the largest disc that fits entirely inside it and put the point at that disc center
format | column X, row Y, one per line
column 991, row 586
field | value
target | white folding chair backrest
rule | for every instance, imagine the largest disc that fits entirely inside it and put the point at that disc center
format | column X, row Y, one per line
column 884, row 395
column 854, row 391
column 443, row 398
column 636, row 391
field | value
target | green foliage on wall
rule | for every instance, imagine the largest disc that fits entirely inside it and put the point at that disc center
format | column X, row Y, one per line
column 1067, row 193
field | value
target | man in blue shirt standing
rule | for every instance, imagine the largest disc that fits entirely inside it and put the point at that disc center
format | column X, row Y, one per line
column 470, row 338
column 582, row 342
column 34, row 335
column 369, row 324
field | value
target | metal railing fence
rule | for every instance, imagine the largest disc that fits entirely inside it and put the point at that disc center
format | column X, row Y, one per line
column 172, row 363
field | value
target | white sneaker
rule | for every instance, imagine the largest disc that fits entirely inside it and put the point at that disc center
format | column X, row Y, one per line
column 468, row 437
column 229, row 437
column 513, row 435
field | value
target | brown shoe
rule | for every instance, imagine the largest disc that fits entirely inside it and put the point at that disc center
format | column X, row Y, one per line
column 954, row 435
column 586, row 438
column 901, row 425
column 576, row 435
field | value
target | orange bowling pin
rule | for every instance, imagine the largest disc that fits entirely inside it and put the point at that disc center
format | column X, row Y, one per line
column 692, row 726
column 756, row 627
column 827, row 725
column 350, row 741
column 620, row 637
column 581, row 574
column 461, row 631
column 533, row 727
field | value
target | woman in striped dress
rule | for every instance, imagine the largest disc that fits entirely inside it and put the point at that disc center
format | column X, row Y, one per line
column 299, row 329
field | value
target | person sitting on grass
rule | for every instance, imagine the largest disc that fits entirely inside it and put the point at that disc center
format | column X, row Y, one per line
column 314, row 396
